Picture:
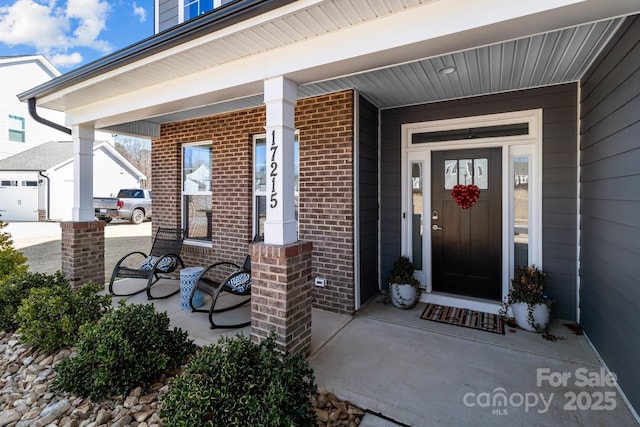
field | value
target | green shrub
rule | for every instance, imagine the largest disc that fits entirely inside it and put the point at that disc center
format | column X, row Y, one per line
column 11, row 261
column 130, row 345
column 50, row 318
column 14, row 288
column 239, row 383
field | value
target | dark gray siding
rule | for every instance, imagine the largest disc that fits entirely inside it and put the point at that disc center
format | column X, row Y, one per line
column 368, row 198
column 559, row 177
column 168, row 14
column 610, row 207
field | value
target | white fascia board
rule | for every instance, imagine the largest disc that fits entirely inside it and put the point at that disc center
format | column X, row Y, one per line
column 113, row 152
column 58, row 166
column 120, row 159
column 41, row 60
column 202, row 88
column 416, row 33
column 424, row 23
column 212, row 37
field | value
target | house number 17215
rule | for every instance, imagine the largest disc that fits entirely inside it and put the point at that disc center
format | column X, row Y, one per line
column 274, row 171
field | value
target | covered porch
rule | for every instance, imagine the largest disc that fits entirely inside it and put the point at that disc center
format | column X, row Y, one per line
column 403, row 370
column 350, row 91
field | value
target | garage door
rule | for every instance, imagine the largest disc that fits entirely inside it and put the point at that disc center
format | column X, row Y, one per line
column 18, row 200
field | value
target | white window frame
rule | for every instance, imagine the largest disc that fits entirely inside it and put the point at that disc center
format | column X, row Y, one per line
column 183, row 193
column 255, row 193
column 22, row 130
column 181, row 18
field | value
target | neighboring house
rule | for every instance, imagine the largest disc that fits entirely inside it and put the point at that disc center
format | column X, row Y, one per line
column 18, row 130
column 37, row 184
column 385, row 99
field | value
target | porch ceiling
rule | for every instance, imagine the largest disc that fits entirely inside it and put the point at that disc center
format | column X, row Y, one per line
column 550, row 58
column 517, row 46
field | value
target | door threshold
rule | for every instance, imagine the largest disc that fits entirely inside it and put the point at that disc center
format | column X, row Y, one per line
column 486, row 306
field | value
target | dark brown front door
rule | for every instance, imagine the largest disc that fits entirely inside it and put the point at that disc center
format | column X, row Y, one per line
column 467, row 243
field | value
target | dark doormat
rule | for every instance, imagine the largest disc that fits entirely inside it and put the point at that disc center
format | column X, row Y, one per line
column 464, row 317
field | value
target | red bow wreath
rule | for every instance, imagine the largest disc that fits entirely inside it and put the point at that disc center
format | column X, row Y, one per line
column 465, row 195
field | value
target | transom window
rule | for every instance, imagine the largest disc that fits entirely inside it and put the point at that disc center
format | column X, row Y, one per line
column 196, row 191
column 16, row 128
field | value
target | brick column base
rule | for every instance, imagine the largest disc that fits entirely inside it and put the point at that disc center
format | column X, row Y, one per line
column 281, row 295
column 83, row 252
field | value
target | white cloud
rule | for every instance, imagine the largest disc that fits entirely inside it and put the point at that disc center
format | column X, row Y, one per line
column 92, row 16
column 30, row 23
column 56, row 28
column 140, row 12
column 66, row 60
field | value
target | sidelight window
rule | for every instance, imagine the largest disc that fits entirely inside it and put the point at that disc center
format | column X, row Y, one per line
column 417, row 207
column 520, row 167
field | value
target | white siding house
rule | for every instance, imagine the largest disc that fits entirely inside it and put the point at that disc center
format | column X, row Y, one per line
column 18, row 131
column 37, row 184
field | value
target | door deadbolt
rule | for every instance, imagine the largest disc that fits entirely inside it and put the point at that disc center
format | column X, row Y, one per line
column 434, row 215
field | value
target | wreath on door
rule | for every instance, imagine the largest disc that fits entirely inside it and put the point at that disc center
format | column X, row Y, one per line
column 465, row 196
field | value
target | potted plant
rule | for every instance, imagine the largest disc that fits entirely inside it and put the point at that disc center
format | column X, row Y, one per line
column 404, row 289
column 530, row 307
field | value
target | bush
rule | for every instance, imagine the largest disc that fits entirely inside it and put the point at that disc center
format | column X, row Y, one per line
column 11, row 261
column 50, row 317
column 16, row 287
column 128, row 346
column 239, row 383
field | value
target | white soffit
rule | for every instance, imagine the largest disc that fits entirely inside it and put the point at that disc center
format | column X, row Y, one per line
column 488, row 67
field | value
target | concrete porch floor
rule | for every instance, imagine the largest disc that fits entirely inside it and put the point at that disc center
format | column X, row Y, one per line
column 407, row 371
column 394, row 364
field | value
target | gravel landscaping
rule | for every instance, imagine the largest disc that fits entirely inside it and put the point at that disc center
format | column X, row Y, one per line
column 26, row 398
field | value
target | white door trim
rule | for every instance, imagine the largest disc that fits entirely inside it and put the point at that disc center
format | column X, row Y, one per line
column 529, row 145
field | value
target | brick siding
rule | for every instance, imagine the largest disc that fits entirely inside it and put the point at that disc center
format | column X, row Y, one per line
column 325, row 124
column 326, row 195
column 281, row 295
column 82, row 249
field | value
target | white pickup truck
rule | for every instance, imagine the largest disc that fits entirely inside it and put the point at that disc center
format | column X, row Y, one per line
column 133, row 204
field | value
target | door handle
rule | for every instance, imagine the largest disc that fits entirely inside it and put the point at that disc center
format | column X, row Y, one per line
column 434, row 227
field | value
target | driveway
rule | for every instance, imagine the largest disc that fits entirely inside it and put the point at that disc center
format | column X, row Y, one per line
column 40, row 242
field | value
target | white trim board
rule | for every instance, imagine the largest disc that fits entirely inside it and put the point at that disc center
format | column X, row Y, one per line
column 529, row 145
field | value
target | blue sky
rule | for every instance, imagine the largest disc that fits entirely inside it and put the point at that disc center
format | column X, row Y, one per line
column 71, row 33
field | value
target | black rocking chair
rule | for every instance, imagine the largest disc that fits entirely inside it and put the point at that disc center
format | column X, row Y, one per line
column 163, row 259
column 238, row 282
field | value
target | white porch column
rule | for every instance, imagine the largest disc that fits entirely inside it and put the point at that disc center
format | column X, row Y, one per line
column 280, row 95
column 83, row 137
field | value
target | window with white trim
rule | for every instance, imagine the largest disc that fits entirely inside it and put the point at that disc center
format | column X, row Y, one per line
column 16, row 128
column 260, row 181
column 196, row 191
column 194, row 8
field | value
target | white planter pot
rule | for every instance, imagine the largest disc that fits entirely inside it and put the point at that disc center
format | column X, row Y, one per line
column 541, row 316
column 403, row 295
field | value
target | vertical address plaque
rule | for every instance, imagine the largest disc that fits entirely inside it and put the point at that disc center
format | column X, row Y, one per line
column 274, row 171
